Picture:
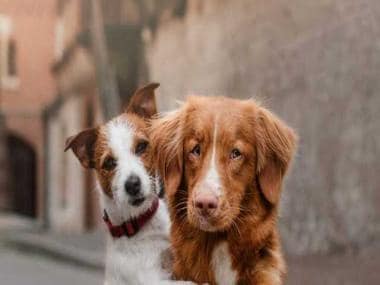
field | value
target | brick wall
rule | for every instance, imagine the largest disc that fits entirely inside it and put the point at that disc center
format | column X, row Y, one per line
column 316, row 64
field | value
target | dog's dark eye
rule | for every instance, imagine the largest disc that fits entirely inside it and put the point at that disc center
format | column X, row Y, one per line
column 109, row 164
column 196, row 150
column 235, row 154
column 141, row 147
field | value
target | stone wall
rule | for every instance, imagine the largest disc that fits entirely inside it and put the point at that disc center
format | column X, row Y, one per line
column 316, row 64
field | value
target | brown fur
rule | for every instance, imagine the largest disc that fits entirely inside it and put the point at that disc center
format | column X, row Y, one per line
column 247, row 212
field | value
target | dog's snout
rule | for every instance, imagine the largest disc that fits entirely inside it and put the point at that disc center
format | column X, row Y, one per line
column 133, row 185
column 206, row 203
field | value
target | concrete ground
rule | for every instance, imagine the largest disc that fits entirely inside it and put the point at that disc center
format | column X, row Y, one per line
column 19, row 267
column 350, row 268
column 30, row 256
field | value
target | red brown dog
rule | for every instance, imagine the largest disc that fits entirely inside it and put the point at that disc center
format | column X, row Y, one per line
column 223, row 162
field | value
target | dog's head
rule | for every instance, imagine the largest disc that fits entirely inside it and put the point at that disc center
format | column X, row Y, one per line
column 119, row 152
column 221, row 157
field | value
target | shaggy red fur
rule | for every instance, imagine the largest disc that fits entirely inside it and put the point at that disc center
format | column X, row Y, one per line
column 251, row 149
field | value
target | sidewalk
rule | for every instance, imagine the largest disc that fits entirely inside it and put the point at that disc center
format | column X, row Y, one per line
column 343, row 268
column 83, row 249
column 348, row 268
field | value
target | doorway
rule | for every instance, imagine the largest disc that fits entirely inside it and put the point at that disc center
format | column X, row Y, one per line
column 21, row 176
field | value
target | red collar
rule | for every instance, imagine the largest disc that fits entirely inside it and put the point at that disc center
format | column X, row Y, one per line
column 132, row 226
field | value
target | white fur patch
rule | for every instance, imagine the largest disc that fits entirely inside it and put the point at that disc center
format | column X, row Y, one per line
column 222, row 265
column 212, row 178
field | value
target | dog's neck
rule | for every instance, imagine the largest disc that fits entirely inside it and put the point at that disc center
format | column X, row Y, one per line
column 119, row 213
column 131, row 227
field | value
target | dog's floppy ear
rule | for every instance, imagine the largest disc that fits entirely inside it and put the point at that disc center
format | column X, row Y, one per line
column 143, row 102
column 276, row 144
column 167, row 143
column 83, row 146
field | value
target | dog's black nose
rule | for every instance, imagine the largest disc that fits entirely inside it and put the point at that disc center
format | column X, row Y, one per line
column 133, row 185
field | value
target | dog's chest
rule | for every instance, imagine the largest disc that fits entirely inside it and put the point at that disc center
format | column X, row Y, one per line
column 135, row 261
column 222, row 265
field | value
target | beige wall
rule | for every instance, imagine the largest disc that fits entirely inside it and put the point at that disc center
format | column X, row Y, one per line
column 316, row 64
column 32, row 28
column 66, row 179
column 72, row 197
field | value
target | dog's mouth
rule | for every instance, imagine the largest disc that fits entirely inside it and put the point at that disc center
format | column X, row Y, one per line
column 214, row 222
column 211, row 225
column 203, row 222
column 207, row 225
column 137, row 201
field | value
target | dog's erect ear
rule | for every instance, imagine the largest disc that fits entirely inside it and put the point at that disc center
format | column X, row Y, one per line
column 276, row 144
column 83, row 146
column 143, row 102
column 166, row 138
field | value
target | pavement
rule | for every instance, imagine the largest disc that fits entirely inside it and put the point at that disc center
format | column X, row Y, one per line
column 19, row 267
column 30, row 255
column 82, row 249
column 341, row 268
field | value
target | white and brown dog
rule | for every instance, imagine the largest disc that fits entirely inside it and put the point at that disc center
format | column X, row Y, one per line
column 138, row 222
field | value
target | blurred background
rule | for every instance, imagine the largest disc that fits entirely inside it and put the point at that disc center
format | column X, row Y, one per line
column 70, row 64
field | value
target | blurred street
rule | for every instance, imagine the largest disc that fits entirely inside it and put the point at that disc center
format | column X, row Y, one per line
column 19, row 267
column 29, row 255
column 344, row 268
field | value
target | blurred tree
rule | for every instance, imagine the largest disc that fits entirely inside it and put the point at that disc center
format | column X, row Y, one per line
column 107, row 85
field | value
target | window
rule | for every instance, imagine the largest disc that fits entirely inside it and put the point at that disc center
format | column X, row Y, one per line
column 8, row 55
column 11, row 58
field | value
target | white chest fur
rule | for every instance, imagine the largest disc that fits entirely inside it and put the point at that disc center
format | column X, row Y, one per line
column 137, row 260
column 222, row 265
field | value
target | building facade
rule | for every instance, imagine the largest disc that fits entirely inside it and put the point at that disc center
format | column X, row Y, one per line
column 315, row 63
column 26, row 87
column 72, row 204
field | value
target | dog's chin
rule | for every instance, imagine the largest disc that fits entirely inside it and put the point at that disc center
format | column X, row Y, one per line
column 207, row 227
column 142, row 201
column 209, row 224
column 136, row 202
